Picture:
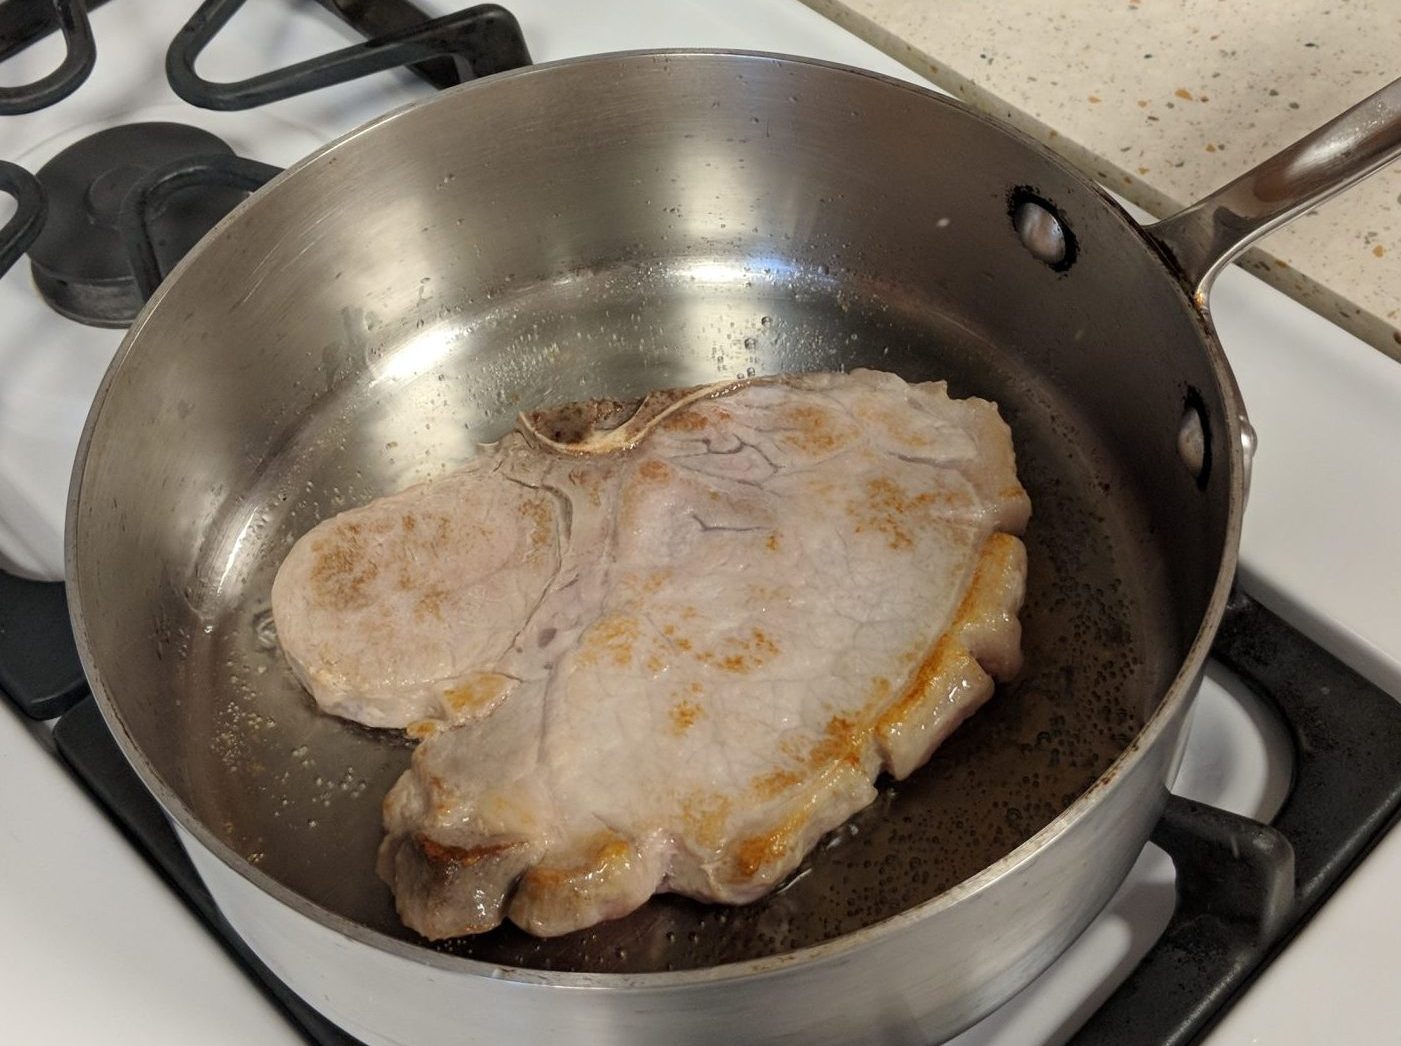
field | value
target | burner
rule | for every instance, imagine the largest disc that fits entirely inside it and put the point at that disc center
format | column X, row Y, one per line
column 80, row 262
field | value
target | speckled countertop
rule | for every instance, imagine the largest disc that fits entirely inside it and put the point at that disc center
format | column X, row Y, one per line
column 1163, row 100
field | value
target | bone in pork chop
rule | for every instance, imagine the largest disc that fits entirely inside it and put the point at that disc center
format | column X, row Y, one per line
column 664, row 650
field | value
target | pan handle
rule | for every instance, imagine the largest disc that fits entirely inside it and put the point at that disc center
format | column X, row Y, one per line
column 1208, row 235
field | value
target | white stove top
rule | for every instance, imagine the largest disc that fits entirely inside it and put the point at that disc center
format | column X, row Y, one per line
column 109, row 954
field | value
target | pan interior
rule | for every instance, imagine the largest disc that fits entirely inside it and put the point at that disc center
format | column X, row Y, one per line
column 298, row 793
column 658, row 220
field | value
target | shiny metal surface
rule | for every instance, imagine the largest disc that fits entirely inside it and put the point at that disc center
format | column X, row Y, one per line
column 1208, row 235
column 1041, row 232
column 657, row 219
column 1191, row 440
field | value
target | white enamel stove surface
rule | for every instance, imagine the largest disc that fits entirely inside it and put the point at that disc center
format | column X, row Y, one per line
column 98, row 950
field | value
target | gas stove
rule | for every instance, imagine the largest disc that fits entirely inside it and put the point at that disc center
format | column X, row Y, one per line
column 117, row 937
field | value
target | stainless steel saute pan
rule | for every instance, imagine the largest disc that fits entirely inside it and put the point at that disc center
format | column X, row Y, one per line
column 607, row 226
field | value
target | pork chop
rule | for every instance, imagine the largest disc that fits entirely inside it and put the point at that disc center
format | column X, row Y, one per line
column 664, row 647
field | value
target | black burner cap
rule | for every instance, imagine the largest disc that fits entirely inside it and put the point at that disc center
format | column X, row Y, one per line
column 79, row 261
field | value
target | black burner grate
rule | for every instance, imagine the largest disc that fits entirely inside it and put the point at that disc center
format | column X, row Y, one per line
column 24, row 22
column 445, row 51
column 39, row 667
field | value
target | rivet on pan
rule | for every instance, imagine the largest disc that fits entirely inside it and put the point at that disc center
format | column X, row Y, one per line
column 1191, row 441
column 1041, row 230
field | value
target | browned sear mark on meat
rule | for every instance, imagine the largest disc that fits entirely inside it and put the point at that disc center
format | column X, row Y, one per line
column 683, row 716
column 685, row 421
column 843, row 741
column 888, row 508
column 341, row 569
column 705, row 817
column 590, row 481
column 610, row 852
column 750, row 855
column 650, row 582
column 542, row 524
column 475, row 693
column 774, row 783
column 935, row 666
column 430, row 604
column 741, row 655
column 677, row 639
column 811, row 428
column 448, row 859
column 611, row 637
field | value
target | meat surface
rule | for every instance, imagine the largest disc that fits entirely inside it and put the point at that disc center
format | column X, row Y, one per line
column 666, row 646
